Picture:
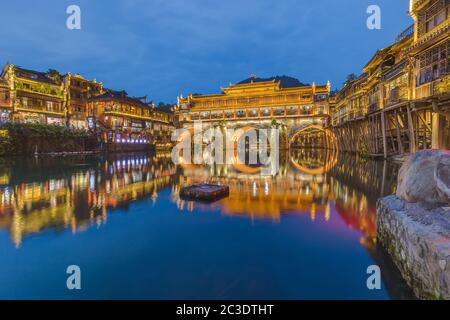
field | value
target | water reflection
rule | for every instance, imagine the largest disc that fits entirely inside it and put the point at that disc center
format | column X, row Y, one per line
column 77, row 193
column 309, row 182
column 257, row 196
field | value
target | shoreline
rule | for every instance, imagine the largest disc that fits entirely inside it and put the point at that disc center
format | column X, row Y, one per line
column 417, row 237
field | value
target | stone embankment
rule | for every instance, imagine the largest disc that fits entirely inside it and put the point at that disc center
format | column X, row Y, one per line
column 414, row 224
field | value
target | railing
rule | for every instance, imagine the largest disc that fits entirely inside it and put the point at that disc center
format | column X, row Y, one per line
column 261, row 113
column 374, row 107
column 216, row 116
column 350, row 115
column 408, row 32
column 398, row 94
column 436, row 87
column 360, row 113
column 37, row 107
column 424, row 37
column 140, row 115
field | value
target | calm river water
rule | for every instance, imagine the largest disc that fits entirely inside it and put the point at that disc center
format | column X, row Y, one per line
column 308, row 233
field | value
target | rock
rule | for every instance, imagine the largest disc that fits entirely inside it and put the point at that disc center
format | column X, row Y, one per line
column 442, row 177
column 424, row 177
column 417, row 238
column 205, row 192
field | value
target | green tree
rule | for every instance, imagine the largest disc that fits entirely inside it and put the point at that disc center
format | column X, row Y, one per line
column 351, row 77
column 274, row 123
column 54, row 75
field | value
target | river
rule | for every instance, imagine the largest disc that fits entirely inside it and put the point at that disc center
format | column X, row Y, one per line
column 307, row 233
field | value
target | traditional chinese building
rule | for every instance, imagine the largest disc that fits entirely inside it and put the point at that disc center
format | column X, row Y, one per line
column 34, row 96
column 260, row 103
column 5, row 101
column 79, row 91
column 402, row 98
column 256, row 100
column 350, row 101
column 430, row 54
column 126, row 119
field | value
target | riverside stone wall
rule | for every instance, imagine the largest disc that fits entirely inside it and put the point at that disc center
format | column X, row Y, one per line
column 417, row 236
column 28, row 139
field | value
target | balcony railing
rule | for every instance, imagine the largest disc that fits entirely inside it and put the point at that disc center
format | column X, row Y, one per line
column 374, row 107
column 216, row 116
column 433, row 88
column 396, row 95
column 408, row 32
column 42, row 108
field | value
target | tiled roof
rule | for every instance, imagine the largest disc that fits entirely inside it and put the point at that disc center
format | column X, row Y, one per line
column 120, row 96
column 285, row 81
column 35, row 75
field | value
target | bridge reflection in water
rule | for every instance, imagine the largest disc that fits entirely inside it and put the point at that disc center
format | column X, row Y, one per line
column 75, row 193
column 309, row 182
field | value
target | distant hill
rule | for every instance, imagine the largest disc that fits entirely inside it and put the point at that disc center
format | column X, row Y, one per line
column 165, row 107
column 286, row 82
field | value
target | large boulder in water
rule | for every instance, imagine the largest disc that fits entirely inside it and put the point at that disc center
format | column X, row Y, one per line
column 443, row 177
column 425, row 177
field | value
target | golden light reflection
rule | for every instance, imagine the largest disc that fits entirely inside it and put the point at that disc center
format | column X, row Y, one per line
column 82, row 198
column 321, row 185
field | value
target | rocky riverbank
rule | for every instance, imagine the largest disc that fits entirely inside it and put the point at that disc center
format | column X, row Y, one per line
column 414, row 225
column 417, row 236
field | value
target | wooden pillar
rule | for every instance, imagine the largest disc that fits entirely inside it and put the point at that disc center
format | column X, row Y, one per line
column 438, row 131
column 412, row 135
column 383, row 129
column 399, row 136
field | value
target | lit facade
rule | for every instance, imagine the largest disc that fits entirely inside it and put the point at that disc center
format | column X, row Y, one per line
column 385, row 81
column 5, row 101
column 261, row 104
column 35, row 97
column 401, row 102
column 128, row 119
column 431, row 48
column 256, row 101
column 351, row 102
column 79, row 91
column 73, row 101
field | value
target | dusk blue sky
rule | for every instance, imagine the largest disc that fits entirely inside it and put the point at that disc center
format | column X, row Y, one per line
column 164, row 48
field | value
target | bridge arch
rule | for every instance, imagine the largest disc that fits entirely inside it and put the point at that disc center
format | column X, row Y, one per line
column 313, row 136
column 314, row 162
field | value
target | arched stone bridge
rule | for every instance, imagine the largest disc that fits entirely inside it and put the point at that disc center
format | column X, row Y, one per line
column 290, row 131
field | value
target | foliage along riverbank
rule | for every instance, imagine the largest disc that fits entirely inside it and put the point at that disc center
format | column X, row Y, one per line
column 29, row 139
